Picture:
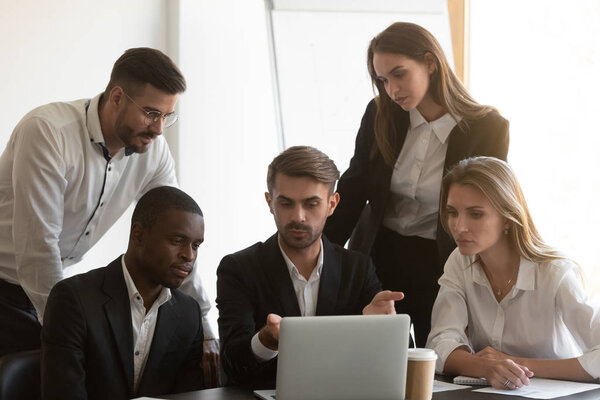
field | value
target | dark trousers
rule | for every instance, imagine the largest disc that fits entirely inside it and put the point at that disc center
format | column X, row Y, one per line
column 19, row 326
column 409, row 264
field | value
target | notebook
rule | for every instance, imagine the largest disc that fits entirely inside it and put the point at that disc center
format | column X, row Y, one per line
column 469, row 380
column 352, row 357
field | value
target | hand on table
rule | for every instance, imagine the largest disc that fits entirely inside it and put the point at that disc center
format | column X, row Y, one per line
column 504, row 373
column 211, row 363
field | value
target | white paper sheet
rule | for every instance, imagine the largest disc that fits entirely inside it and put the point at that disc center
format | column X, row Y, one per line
column 540, row 388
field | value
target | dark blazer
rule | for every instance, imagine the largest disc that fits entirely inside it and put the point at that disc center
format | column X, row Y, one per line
column 365, row 186
column 255, row 282
column 87, row 341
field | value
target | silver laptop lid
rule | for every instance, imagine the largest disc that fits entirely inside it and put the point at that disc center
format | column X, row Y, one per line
column 343, row 357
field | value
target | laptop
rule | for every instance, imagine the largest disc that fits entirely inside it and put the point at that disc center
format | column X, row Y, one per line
column 341, row 357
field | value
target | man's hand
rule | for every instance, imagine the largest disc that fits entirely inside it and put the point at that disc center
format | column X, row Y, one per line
column 383, row 303
column 211, row 362
column 269, row 334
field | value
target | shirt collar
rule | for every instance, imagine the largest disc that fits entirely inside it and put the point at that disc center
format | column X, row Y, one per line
column 441, row 127
column 163, row 297
column 316, row 273
column 525, row 276
column 95, row 129
column 93, row 120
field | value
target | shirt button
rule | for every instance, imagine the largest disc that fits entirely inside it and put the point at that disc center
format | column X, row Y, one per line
column 137, row 353
column 87, row 233
column 138, row 297
column 101, row 204
column 109, row 168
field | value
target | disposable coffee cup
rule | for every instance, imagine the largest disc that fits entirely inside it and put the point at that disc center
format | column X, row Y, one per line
column 419, row 374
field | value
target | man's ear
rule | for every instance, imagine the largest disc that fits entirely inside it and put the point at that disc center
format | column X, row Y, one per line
column 137, row 233
column 116, row 97
column 333, row 201
column 269, row 200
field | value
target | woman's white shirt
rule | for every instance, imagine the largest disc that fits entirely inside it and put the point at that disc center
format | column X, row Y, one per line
column 546, row 314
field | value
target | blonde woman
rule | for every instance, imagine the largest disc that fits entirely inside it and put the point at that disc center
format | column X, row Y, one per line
column 421, row 123
column 509, row 306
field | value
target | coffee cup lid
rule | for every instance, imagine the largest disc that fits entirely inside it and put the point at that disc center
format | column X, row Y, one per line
column 421, row 354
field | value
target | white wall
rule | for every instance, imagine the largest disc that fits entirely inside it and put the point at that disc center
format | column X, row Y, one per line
column 225, row 138
column 542, row 74
column 63, row 50
column 227, row 127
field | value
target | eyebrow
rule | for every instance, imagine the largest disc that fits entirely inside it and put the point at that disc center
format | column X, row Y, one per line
column 397, row 67
column 152, row 109
column 468, row 208
column 185, row 236
column 475, row 208
column 282, row 197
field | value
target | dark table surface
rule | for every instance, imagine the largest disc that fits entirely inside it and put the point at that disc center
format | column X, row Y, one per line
column 232, row 393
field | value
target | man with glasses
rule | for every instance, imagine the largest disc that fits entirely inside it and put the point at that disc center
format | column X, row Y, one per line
column 68, row 172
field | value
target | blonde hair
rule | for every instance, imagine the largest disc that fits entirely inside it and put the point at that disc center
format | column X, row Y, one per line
column 498, row 182
column 446, row 89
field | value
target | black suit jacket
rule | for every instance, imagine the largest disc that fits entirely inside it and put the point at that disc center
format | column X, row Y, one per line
column 255, row 282
column 87, row 341
column 365, row 186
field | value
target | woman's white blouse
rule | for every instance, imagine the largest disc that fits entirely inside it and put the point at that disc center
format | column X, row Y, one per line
column 546, row 315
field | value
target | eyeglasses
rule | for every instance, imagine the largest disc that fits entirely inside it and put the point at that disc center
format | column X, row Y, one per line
column 154, row 116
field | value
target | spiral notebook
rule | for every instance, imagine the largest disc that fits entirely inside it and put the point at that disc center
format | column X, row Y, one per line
column 469, row 380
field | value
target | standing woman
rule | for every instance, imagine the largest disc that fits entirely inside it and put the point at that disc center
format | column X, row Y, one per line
column 422, row 122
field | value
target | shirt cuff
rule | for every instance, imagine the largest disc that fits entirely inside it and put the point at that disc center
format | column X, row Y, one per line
column 443, row 350
column 207, row 330
column 590, row 362
column 260, row 351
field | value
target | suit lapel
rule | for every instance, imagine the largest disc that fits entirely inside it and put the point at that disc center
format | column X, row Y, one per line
column 382, row 170
column 461, row 144
column 277, row 273
column 330, row 280
column 401, row 123
column 118, row 313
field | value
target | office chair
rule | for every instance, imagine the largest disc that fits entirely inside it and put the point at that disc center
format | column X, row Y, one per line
column 20, row 376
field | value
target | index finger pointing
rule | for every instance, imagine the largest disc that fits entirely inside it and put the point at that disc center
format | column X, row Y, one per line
column 388, row 295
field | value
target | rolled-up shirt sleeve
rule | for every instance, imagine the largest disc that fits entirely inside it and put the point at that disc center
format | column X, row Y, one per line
column 193, row 286
column 449, row 317
column 39, row 176
column 582, row 319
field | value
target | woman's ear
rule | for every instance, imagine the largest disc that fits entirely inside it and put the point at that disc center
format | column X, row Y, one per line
column 429, row 60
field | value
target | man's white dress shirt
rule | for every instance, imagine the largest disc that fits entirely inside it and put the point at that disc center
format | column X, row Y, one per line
column 59, row 193
column 143, row 323
column 307, row 293
column 413, row 207
column 545, row 315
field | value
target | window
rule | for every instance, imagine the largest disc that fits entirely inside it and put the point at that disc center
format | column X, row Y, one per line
column 537, row 62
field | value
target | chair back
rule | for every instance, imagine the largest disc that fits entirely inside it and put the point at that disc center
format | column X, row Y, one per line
column 20, row 376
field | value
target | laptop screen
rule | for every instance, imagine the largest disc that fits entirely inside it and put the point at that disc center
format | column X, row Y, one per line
column 343, row 357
